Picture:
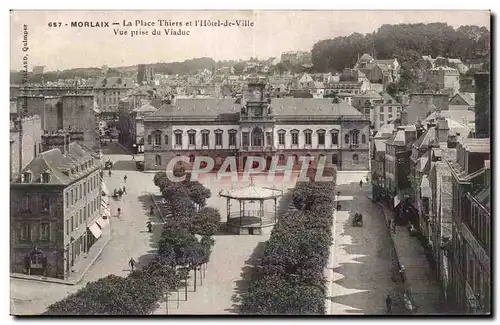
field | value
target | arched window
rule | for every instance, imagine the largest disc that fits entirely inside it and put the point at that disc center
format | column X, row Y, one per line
column 257, row 137
column 166, row 139
column 335, row 159
column 295, row 159
column 149, row 139
column 320, row 157
column 157, row 139
column 346, row 139
column 355, row 159
column 158, row 160
column 363, row 138
column 191, row 158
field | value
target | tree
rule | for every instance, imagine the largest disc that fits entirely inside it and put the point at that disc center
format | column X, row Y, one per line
column 112, row 295
column 206, row 222
column 275, row 296
column 198, row 193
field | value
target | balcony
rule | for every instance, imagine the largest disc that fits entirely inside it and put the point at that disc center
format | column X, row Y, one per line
column 258, row 148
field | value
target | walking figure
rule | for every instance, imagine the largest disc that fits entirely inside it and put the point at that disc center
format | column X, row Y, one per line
column 124, row 190
column 402, row 273
column 119, row 211
column 149, row 225
column 125, row 179
column 388, row 303
column 151, row 210
column 361, row 183
column 132, row 264
column 109, row 173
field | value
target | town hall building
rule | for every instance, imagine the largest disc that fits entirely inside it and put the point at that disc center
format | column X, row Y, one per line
column 254, row 125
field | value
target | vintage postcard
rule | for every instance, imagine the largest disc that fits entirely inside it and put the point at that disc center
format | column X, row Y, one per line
column 250, row 163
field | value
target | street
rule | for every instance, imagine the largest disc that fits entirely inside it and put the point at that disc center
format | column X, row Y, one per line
column 363, row 255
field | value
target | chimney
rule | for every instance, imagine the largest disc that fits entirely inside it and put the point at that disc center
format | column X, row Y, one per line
column 404, row 117
column 442, row 129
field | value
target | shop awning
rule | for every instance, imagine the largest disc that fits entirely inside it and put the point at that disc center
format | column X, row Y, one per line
column 106, row 212
column 95, row 230
column 396, row 201
column 104, row 188
column 102, row 222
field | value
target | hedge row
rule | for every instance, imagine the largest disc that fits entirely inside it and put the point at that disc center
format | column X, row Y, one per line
column 179, row 251
column 291, row 273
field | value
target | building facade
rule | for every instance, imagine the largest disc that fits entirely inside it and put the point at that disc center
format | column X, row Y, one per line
column 108, row 91
column 55, row 211
column 25, row 143
column 469, row 252
column 483, row 105
column 287, row 128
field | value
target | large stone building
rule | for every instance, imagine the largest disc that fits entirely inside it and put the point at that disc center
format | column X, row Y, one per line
column 470, row 248
column 257, row 126
column 55, row 211
column 108, row 91
column 76, row 112
column 444, row 79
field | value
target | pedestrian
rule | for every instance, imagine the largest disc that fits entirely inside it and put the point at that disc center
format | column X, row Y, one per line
column 361, row 183
column 124, row 190
column 132, row 263
column 151, row 210
column 109, row 173
column 125, row 178
column 119, row 211
column 388, row 303
column 150, row 226
column 402, row 273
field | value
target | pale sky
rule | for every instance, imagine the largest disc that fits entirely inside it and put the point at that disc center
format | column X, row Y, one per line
column 59, row 48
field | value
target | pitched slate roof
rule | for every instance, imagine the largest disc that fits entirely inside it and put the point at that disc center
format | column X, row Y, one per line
column 385, row 130
column 199, row 107
column 312, row 106
column 145, row 108
column 55, row 163
column 365, row 57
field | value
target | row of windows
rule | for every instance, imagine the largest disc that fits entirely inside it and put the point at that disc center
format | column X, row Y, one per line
column 257, row 141
column 281, row 159
column 80, row 191
column 205, row 139
column 389, row 109
column 26, row 233
column 44, row 200
column 80, row 218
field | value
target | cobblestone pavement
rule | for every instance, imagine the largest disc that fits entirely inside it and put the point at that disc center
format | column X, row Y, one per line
column 129, row 239
column 363, row 256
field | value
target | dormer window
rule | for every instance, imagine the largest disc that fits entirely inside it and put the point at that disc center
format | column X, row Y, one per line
column 45, row 177
column 26, row 177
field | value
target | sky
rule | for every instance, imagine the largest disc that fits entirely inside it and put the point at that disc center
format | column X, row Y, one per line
column 273, row 32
